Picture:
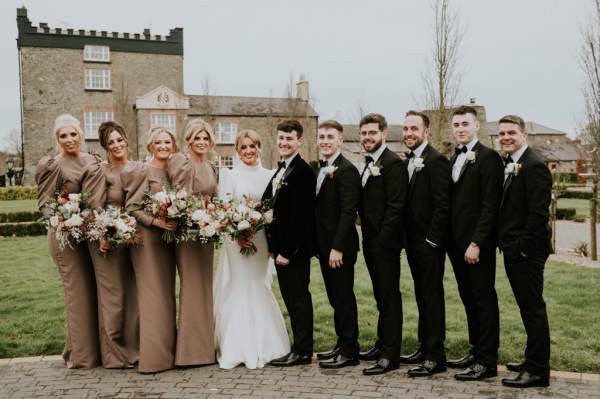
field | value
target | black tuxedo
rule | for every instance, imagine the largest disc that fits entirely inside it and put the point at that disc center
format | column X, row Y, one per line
column 427, row 216
column 335, row 221
column 381, row 213
column 291, row 235
column 523, row 229
column 473, row 216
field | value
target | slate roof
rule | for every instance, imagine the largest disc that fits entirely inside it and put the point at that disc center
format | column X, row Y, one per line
column 531, row 127
column 560, row 152
column 250, row 106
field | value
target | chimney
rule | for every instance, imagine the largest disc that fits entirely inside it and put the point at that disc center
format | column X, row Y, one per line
column 302, row 88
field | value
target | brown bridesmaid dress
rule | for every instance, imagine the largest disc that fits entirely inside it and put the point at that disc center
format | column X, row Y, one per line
column 154, row 266
column 82, row 348
column 195, row 335
column 118, row 315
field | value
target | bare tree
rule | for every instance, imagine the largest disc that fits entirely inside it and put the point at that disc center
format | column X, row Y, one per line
column 208, row 102
column 441, row 76
column 124, row 102
column 590, row 63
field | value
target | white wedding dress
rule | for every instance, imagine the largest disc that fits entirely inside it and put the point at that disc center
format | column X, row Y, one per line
column 249, row 326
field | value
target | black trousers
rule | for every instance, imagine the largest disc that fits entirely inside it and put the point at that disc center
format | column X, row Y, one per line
column 476, row 286
column 383, row 264
column 294, row 279
column 427, row 268
column 339, row 284
column 526, row 276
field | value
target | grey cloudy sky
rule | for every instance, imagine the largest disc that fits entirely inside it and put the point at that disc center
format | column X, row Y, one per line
column 518, row 56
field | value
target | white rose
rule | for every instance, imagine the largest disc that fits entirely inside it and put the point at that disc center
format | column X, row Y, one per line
column 269, row 216
column 54, row 221
column 374, row 170
column 208, row 231
column 237, row 217
column 181, row 205
column 172, row 210
column 418, row 164
column 161, row 197
column 241, row 208
column 255, row 215
column 74, row 221
column 181, row 194
column 200, row 216
column 75, row 197
column 243, row 225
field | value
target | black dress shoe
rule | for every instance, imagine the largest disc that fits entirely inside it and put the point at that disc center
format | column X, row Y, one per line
column 427, row 368
column 462, row 363
column 291, row 359
column 383, row 365
column 514, row 366
column 526, row 380
column 339, row 361
column 371, row 354
column 328, row 355
column 414, row 358
column 476, row 372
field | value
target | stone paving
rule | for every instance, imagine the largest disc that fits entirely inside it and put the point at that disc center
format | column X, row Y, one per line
column 47, row 377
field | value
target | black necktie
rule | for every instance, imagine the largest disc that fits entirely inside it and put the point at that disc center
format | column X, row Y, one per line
column 410, row 154
column 322, row 163
column 368, row 159
column 458, row 150
column 508, row 160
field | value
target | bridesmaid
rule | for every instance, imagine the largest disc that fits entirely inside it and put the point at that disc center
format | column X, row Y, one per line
column 82, row 349
column 195, row 336
column 153, row 259
column 118, row 315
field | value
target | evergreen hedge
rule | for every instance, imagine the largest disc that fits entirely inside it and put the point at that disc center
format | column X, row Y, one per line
column 18, row 193
column 22, row 229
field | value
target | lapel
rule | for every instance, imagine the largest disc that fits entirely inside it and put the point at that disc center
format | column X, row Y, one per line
column 411, row 183
column 288, row 170
column 379, row 163
column 326, row 179
column 467, row 163
column 509, row 179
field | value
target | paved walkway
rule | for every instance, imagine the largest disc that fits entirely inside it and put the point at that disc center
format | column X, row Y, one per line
column 47, row 377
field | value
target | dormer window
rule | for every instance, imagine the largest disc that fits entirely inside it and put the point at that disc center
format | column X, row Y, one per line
column 96, row 53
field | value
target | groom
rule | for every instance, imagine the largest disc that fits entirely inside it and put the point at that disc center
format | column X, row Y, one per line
column 291, row 238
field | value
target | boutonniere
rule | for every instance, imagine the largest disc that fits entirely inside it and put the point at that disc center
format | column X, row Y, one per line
column 375, row 170
column 329, row 171
column 418, row 164
column 470, row 156
column 512, row 169
column 278, row 183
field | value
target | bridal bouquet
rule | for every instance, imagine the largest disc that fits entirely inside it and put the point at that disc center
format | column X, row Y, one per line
column 206, row 221
column 114, row 225
column 68, row 217
column 246, row 218
column 167, row 204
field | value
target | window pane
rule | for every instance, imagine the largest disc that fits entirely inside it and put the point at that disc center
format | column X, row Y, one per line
column 225, row 132
column 93, row 119
column 166, row 120
column 96, row 53
column 226, row 161
column 97, row 79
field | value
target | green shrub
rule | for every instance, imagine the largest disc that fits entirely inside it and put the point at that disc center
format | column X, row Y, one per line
column 18, row 193
column 565, row 213
column 585, row 195
column 22, row 229
column 17, row 217
column 579, row 218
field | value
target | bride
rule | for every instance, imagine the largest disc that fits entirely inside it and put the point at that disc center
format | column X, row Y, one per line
column 249, row 326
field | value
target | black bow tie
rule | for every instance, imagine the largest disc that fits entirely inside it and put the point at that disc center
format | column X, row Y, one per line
column 410, row 154
column 322, row 163
column 281, row 164
column 508, row 160
column 368, row 159
column 458, row 150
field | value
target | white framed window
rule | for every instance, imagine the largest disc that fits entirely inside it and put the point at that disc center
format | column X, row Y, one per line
column 226, row 161
column 167, row 120
column 225, row 132
column 97, row 79
column 96, row 53
column 93, row 119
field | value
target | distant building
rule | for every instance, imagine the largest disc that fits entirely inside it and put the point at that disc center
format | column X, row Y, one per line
column 137, row 80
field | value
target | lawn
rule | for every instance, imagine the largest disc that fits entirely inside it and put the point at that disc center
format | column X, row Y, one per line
column 32, row 311
column 30, row 205
column 582, row 207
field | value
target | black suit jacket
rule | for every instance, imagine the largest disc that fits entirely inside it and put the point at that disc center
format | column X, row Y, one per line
column 292, row 231
column 382, row 202
column 428, row 203
column 524, row 212
column 336, row 209
column 476, row 199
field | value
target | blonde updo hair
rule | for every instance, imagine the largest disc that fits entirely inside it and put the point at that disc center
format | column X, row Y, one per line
column 154, row 132
column 252, row 135
column 68, row 120
column 194, row 127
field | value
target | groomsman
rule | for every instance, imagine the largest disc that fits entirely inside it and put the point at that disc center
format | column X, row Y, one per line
column 426, row 222
column 291, row 238
column 381, row 210
column 524, row 238
column 338, row 192
column 477, row 172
